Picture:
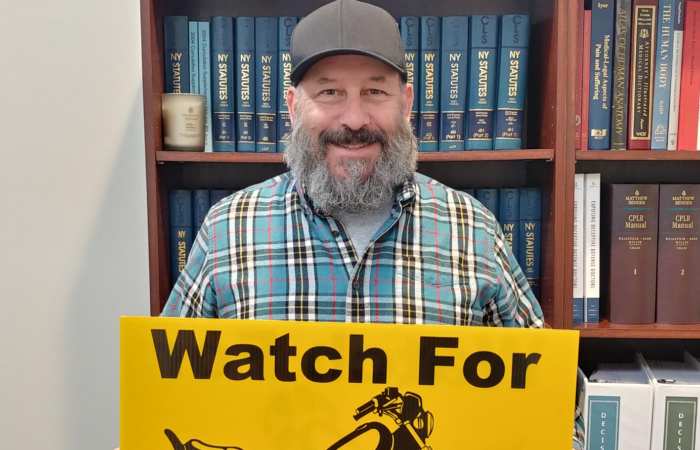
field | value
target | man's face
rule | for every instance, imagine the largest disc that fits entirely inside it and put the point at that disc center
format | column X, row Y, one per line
column 351, row 93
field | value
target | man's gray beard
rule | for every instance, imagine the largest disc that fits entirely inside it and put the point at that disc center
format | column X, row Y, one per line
column 365, row 188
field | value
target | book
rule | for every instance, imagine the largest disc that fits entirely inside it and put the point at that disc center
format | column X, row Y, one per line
column 602, row 29
column 591, row 242
column 678, row 282
column 284, row 122
column 194, row 56
column 690, row 82
column 509, row 217
column 620, row 84
column 662, row 77
column 200, row 208
column 579, row 180
column 216, row 195
column 642, row 74
column 471, row 192
column 483, row 64
column 205, row 82
column 453, row 95
column 410, row 37
column 245, row 77
column 529, row 246
column 223, row 101
column 429, row 89
column 490, row 199
column 674, row 102
column 586, row 82
column 578, row 104
column 181, row 235
column 630, row 263
column 512, row 81
column 177, row 54
column 266, row 84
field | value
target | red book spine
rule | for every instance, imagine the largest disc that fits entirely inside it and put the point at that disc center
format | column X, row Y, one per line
column 578, row 82
column 690, row 79
column 586, row 79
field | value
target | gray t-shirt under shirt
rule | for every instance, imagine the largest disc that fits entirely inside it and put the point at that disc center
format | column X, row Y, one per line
column 362, row 227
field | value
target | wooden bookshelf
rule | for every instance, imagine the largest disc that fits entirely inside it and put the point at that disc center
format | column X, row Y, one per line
column 635, row 155
column 605, row 329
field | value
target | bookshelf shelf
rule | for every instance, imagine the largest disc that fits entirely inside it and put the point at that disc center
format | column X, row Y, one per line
column 633, row 155
column 605, row 329
column 503, row 155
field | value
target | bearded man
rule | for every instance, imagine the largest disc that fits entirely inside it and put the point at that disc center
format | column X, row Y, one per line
column 352, row 233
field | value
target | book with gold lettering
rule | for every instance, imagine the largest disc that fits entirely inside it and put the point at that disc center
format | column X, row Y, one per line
column 181, row 234
column 483, row 81
column 678, row 283
column 245, row 84
column 177, row 54
column 601, row 54
column 284, row 123
column 429, row 90
column 266, row 84
column 662, row 77
column 530, row 225
column 453, row 96
column 223, row 100
column 509, row 217
column 629, row 267
column 410, row 37
column 642, row 68
column 621, row 74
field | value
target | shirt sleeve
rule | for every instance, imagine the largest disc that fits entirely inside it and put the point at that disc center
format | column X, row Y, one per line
column 514, row 304
column 193, row 295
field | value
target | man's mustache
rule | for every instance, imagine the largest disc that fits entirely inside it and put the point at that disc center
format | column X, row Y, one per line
column 347, row 137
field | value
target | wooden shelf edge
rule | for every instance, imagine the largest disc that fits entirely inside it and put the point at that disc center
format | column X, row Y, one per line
column 488, row 155
column 635, row 155
column 605, row 329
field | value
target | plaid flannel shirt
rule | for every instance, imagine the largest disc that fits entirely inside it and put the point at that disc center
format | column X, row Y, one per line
column 267, row 252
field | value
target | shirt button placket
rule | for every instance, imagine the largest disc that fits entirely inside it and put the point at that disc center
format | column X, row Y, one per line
column 356, row 285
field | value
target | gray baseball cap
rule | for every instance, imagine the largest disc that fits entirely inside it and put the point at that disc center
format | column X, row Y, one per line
column 346, row 27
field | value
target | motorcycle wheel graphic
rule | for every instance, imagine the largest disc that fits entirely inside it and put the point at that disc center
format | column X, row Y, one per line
column 194, row 444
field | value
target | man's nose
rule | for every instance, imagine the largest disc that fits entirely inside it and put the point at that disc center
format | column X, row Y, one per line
column 354, row 114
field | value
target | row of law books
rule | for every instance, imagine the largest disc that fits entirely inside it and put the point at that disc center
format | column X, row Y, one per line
column 647, row 404
column 469, row 74
column 636, row 82
column 188, row 209
column 650, row 261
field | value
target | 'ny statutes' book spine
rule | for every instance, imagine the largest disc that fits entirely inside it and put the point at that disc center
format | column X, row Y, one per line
column 200, row 208
column 223, row 101
column 181, row 235
column 678, row 282
column 266, row 84
column 453, row 95
column 602, row 29
column 483, row 65
column 620, row 84
column 579, row 190
column 512, row 81
column 662, row 77
column 490, row 199
column 245, row 77
column 410, row 37
column 284, row 122
column 591, row 299
column 429, row 92
column 177, row 54
column 690, row 82
column 194, row 57
column 509, row 217
column 642, row 77
column 674, row 102
column 529, row 247
column 205, row 82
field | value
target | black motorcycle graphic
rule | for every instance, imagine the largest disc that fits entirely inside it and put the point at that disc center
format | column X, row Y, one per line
column 415, row 423
column 194, row 444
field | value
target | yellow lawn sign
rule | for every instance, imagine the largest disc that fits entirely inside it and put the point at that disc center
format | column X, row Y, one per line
column 190, row 384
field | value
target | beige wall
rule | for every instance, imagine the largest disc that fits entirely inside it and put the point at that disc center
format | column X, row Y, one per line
column 73, row 242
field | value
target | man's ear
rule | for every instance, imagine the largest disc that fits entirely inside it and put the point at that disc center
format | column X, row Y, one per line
column 408, row 100
column 292, row 94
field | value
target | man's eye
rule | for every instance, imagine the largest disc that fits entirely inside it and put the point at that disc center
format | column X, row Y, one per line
column 375, row 92
column 328, row 92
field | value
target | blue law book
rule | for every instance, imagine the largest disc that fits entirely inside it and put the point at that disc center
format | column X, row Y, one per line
column 205, row 81
column 490, row 198
column 181, row 234
column 245, row 77
column 266, row 84
column 453, row 96
column 223, row 101
column 602, row 44
column 530, row 225
column 200, row 208
column 410, row 37
column 509, row 217
column 216, row 195
column 194, row 56
column 177, row 54
column 483, row 65
column 429, row 91
column 512, row 81
column 662, row 77
column 284, row 122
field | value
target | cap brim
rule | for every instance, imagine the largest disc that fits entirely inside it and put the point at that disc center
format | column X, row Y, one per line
column 301, row 68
